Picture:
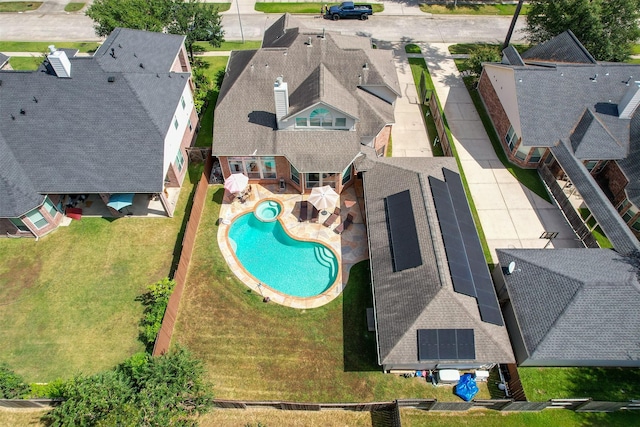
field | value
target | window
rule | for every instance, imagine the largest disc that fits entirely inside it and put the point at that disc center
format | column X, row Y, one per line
column 301, row 121
column 48, row 205
column 380, row 151
column 536, row 155
column 190, row 125
column 184, row 104
column 179, row 160
column 341, row 122
column 522, row 152
column 346, row 175
column 295, row 175
column 630, row 213
column 511, row 138
column 175, row 123
column 254, row 167
column 329, row 179
column 19, row 224
column 312, row 180
column 623, row 205
column 590, row 164
column 636, row 225
column 37, row 219
column 321, row 117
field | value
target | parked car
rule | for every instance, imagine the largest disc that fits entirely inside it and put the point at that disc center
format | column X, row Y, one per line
column 349, row 10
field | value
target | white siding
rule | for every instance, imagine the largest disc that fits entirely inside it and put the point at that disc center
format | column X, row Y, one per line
column 382, row 92
column 174, row 136
column 504, row 83
column 290, row 124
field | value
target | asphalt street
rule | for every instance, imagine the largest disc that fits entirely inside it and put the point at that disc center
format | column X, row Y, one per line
column 59, row 26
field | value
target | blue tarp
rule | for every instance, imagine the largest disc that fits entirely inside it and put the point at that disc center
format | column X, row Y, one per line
column 466, row 388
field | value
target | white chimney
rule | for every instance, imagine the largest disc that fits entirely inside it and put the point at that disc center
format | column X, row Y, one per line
column 630, row 101
column 59, row 62
column 281, row 95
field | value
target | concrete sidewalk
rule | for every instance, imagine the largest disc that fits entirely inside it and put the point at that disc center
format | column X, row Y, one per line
column 511, row 215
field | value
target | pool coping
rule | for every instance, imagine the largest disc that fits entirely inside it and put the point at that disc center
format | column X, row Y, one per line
column 226, row 219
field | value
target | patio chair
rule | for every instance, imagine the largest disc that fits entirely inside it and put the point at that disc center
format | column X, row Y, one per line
column 344, row 225
column 303, row 211
column 332, row 218
column 314, row 214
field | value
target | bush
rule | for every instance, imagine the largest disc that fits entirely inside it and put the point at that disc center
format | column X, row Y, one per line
column 12, row 386
column 155, row 302
column 479, row 56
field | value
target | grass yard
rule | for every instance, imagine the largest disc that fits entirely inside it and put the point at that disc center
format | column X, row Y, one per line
column 597, row 232
column 229, row 46
column 19, row 6
column 258, row 351
column 418, row 66
column 215, row 63
column 467, row 48
column 41, row 47
column 25, row 63
column 412, row 48
column 311, row 8
column 605, row 384
column 73, row 7
column 67, row 301
column 487, row 9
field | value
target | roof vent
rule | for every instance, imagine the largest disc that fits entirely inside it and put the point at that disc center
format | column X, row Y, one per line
column 142, row 65
column 594, row 78
column 52, row 48
column 22, row 112
column 60, row 63
column 111, row 79
column 35, row 99
column 308, row 43
column 365, row 66
column 113, row 53
column 628, row 81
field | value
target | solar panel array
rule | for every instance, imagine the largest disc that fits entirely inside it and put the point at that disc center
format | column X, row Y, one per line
column 468, row 267
column 446, row 344
column 405, row 248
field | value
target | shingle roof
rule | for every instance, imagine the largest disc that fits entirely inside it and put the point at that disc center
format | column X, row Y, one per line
column 591, row 138
column 3, row 59
column 564, row 47
column 420, row 297
column 321, row 71
column 603, row 211
column 86, row 134
column 575, row 304
column 511, row 56
column 16, row 188
column 631, row 165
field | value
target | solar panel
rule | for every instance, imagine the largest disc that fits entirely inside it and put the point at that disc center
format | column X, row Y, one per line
column 469, row 272
column 446, row 344
column 405, row 248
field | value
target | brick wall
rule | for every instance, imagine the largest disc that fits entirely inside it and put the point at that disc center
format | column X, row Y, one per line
column 616, row 181
column 382, row 139
column 53, row 221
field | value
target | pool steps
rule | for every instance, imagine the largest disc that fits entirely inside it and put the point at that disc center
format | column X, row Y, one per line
column 325, row 258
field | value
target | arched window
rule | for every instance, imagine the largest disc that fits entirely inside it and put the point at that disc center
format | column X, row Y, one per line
column 321, row 117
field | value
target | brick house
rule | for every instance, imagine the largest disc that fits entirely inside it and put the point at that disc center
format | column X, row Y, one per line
column 116, row 122
column 555, row 105
column 301, row 107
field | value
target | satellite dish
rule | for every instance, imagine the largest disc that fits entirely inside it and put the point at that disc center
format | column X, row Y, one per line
column 511, row 267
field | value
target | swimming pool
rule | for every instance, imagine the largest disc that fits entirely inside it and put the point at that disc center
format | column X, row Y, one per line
column 294, row 267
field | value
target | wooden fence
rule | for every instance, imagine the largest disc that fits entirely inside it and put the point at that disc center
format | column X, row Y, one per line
column 430, row 98
column 163, row 340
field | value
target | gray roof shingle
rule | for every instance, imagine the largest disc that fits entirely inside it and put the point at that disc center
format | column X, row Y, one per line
column 322, row 71
column 85, row 134
column 511, row 56
column 575, row 304
column 564, row 47
column 420, row 297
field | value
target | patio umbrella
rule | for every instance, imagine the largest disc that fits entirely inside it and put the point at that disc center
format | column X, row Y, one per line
column 236, row 182
column 120, row 200
column 323, row 197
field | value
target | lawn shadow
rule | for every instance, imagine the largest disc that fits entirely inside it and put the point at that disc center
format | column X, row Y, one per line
column 359, row 345
column 604, row 384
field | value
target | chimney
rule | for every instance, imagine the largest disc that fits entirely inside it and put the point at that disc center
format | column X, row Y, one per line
column 59, row 62
column 281, row 95
column 630, row 101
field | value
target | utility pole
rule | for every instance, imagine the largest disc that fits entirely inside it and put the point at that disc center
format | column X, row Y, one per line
column 513, row 24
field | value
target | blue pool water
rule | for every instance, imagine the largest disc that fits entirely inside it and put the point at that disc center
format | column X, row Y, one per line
column 293, row 267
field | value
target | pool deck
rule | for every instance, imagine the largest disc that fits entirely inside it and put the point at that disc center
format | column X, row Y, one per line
column 351, row 246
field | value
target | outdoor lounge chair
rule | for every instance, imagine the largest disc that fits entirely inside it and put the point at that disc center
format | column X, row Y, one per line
column 344, row 225
column 314, row 214
column 332, row 218
column 303, row 211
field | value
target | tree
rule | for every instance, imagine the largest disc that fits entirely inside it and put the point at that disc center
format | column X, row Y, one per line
column 196, row 20
column 607, row 28
column 479, row 56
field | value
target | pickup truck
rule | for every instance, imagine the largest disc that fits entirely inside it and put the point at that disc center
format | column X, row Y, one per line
column 349, row 10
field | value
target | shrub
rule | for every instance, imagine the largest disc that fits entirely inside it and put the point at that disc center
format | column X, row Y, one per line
column 155, row 302
column 12, row 386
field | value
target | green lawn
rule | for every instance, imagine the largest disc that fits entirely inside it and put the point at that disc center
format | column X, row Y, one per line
column 19, row 6
column 10, row 46
column 73, row 7
column 497, row 9
column 412, row 48
column 67, row 301
column 418, row 66
column 467, row 48
column 258, row 351
column 527, row 177
column 25, row 62
column 605, row 384
column 215, row 63
column 635, row 49
column 313, row 7
column 229, row 45
column 597, row 232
